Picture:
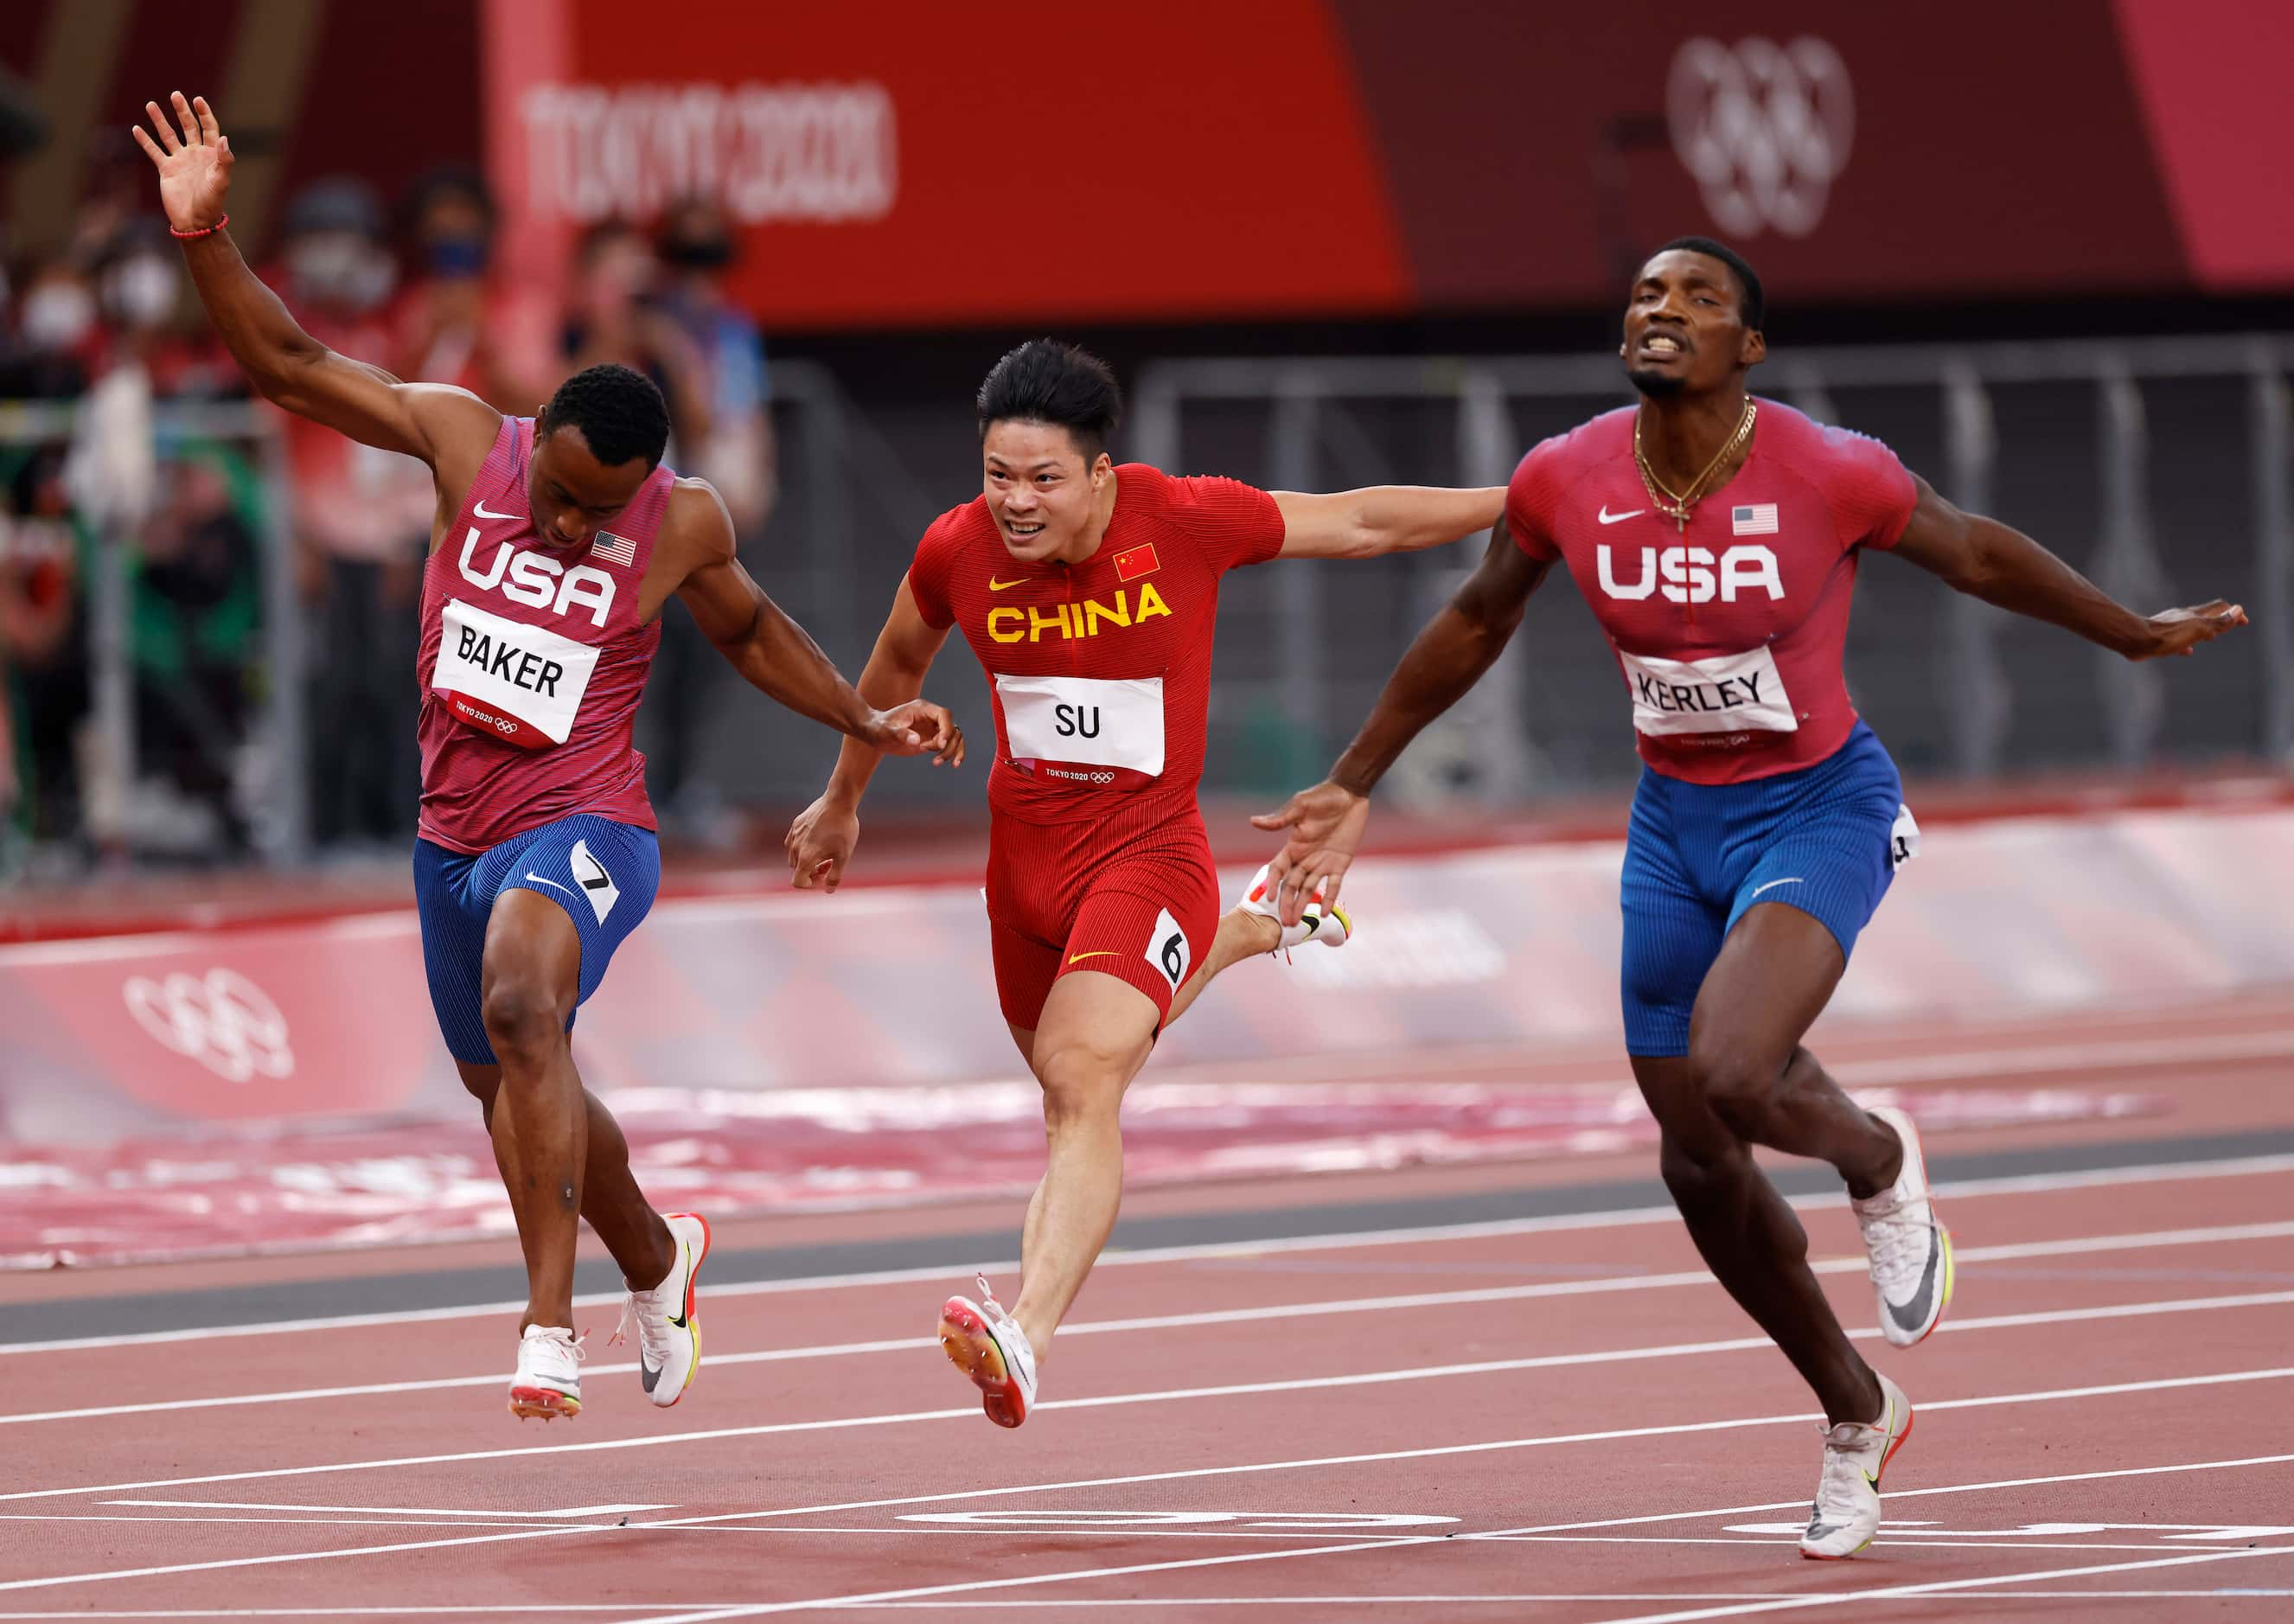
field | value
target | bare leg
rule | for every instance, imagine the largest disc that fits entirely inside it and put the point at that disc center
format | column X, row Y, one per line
column 1241, row 935
column 612, row 1204
column 1095, row 1034
column 529, row 979
column 1746, row 1081
column 1774, row 975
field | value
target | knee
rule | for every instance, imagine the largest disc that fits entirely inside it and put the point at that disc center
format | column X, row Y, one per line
column 1081, row 1081
column 1738, row 1085
column 522, row 1021
column 1700, row 1173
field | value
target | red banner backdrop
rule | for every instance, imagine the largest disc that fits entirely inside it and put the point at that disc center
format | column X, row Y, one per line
column 1301, row 157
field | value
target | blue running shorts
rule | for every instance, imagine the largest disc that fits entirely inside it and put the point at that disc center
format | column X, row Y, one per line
column 603, row 873
column 1825, row 839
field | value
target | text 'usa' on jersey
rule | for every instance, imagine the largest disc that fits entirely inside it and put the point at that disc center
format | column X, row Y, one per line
column 1729, row 630
column 1100, row 670
column 533, row 661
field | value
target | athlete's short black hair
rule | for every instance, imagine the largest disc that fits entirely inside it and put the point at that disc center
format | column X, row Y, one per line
column 620, row 412
column 1046, row 382
column 1751, row 304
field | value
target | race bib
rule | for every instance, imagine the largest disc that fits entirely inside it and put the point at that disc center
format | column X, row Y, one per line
column 1730, row 693
column 1087, row 720
column 518, row 683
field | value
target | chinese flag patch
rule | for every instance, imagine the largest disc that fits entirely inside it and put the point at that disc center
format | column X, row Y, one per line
column 1137, row 561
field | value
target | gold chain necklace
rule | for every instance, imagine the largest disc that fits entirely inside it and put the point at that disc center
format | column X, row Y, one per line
column 1677, row 508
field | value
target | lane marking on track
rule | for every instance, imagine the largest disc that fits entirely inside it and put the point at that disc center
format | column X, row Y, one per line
column 2031, row 1184
column 1995, row 1400
column 390, row 1511
column 1906, row 1494
column 1232, row 1390
column 2219, row 1234
column 1946, row 1586
column 1949, row 1587
column 261, row 1562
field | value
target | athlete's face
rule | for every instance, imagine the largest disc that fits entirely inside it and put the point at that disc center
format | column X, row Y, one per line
column 571, row 494
column 1685, row 328
column 1040, row 488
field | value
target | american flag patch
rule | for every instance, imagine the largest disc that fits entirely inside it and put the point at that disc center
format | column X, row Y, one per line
column 1137, row 561
column 619, row 550
column 1759, row 519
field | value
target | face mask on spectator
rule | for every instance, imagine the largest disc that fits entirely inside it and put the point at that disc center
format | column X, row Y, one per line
column 697, row 253
column 457, row 256
column 339, row 268
column 57, row 314
column 143, row 290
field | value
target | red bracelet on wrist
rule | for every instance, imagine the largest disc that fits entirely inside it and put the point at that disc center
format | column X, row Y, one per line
column 205, row 231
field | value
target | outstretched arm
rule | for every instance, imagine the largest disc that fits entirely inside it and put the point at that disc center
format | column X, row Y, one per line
column 1445, row 660
column 291, row 368
column 1382, row 518
column 2001, row 565
column 772, row 652
column 821, row 840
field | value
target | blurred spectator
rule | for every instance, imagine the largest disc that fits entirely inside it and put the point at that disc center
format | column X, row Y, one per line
column 196, row 610
column 621, row 314
column 42, row 639
column 361, row 519
column 737, row 453
column 455, row 325
column 59, row 335
column 617, row 318
column 36, row 616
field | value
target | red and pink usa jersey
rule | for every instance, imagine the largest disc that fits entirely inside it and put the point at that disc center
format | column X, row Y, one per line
column 533, row 662
column 1729, row 634
column 1102, row 670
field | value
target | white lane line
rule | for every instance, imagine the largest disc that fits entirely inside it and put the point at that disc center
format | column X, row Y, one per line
column 1906, row 1494
column 54, row 1581
column 2217, row 1235
column 392, row 1510
column 1769, row 1603
column 1989, row 1401
column 1949, row 1586
column 2033, row 1184
column 1177, row 1395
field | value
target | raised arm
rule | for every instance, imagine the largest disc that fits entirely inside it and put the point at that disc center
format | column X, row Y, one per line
column 821, row 840
column 2001, row 565
column 1382, row 518
column 287, row 365
column 1444, row 660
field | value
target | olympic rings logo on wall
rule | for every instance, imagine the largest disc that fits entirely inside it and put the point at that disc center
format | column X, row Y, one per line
column 1764, row 128
column 221, row 1020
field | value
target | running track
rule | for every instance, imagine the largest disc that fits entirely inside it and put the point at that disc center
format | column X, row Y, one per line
column 1404, row 1402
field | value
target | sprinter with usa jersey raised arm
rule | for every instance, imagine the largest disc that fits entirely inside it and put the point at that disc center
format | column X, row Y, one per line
column 1089, row 592
column 1715, row 537
column 557, row 542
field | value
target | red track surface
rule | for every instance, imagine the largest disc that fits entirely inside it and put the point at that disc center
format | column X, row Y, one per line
column 1558, row 1420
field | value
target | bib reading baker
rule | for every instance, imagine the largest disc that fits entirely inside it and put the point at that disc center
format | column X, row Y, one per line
column 1093, row 729
column 523, row 684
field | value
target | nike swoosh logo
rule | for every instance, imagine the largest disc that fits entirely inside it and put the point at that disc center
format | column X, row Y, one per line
column 479, row 508
column 552, row 884
column 684, row 1251
column 1102, row 953
column 649, row 1375
column 994, row 585
column 1607, row 518
column 1914, row 1314
column 1795, row 880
